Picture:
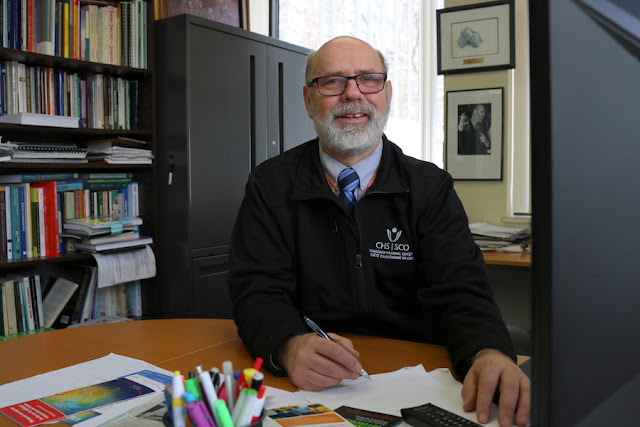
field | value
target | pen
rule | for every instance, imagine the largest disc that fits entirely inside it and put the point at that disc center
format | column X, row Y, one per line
column 209, row 391
column 227, row 368
column 179, row 412
column 323, row 334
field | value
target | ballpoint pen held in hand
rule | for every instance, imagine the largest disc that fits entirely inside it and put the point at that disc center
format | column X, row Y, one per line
column 323, row 334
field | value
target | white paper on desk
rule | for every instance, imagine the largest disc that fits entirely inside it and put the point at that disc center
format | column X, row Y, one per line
column 277, row 398
column 388, row 393
column 125, row 266
column 80, row 375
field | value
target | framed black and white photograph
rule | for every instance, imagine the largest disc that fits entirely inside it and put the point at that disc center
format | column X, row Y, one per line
column 478, row 37
column 475, row 126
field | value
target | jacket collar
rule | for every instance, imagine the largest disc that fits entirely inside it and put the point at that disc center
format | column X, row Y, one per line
column 311, row 182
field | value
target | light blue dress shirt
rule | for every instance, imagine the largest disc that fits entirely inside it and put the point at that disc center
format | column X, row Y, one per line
column 365, row 168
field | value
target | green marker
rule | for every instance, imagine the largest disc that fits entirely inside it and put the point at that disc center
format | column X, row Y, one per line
column 223, row 413
column 193, row 385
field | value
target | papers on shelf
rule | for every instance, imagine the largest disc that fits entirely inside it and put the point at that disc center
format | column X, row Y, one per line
column 500, row 239
column 117, row 154
column 484, row 229
column 125, row 266
column 40, row 120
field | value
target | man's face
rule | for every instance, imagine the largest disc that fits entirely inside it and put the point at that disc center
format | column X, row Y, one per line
column 353, row 122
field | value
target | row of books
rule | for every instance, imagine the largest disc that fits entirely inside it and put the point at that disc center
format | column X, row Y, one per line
column 105, row 31
column 32, row 214
column 21, row 304
column 26, row 306
column 98, row 101
column 117, row 150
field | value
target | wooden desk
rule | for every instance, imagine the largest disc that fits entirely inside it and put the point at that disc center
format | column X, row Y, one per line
column 181, row 344
column 517, row 259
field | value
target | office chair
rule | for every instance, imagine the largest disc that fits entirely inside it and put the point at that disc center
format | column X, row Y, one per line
column 521, row 339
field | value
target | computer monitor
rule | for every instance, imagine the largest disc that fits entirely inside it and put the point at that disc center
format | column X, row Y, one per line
column 585, row 121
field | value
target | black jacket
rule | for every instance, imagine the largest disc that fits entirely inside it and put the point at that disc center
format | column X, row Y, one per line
column 406, row 267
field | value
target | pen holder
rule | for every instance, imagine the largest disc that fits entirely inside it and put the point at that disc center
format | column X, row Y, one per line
column 166, row 420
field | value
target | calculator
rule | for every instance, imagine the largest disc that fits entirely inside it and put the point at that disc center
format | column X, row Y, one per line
column 430, row 415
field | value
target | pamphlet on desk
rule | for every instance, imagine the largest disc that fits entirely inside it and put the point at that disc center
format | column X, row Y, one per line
column 91, row 384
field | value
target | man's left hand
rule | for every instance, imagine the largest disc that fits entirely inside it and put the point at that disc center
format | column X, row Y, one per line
column 492, row 370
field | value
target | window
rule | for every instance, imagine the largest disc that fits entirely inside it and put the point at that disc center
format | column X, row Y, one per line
column 396, row 29
column 405, row 32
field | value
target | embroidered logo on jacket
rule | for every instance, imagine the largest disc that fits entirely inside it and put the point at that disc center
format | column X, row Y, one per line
column 393, row 249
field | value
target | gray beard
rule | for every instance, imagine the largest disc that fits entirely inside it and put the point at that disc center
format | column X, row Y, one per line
column 349, row 139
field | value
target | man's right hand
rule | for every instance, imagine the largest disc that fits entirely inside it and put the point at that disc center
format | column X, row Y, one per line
column 315, row 363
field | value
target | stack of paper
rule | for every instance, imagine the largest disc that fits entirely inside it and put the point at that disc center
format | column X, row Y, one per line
column 500, row 239
column 40, row 152
column 100, row 233
column 119, row 155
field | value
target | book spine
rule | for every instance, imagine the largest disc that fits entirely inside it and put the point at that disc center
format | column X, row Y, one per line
column 2, row 87
column 31, row 280
column 3, row 224
column 17, row 293
column 38, row 286
column 8, row 222
column 10, row 304
column 41, row 224
column 35, row 224
column 3, row 313
column 49, row 222
column 16, row 221
column 28, row 304
column 60, row 218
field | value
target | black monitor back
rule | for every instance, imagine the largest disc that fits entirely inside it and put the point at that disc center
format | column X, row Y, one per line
column 585, row 121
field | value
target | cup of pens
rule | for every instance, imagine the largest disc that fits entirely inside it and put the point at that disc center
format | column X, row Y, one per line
column 216, row 399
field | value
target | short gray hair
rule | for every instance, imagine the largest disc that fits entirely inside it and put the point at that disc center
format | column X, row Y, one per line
column 311, row 55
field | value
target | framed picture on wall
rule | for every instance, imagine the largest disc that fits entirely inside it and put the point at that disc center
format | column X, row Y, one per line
column 474, row 138
column 478, row 37
column 230, row 12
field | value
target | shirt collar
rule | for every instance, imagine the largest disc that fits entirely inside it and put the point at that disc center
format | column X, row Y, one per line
column 365, row 168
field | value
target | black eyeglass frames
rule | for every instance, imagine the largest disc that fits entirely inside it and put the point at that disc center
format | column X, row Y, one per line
column 336, row 85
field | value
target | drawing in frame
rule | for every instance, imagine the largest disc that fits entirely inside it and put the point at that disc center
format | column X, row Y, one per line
column 475, row 127
column 230, row 12
column 478, row 37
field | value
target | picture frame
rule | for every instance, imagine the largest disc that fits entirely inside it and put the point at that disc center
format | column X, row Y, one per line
column 230, row 12
column 474, row 139
column 478, row 37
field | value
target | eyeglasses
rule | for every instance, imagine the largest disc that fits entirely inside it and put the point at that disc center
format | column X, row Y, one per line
column 336, row 85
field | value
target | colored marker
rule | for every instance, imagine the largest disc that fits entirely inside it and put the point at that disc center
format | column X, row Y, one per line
column 198, row 413
column 240, row 384
column 177, row 400
column 223, row 413
column 241, row 404
column 227, row 368
column 193, row 385
column 249, row 372
column 246, row 414
column 259, row 405
column 257, row 380
column 209, row 391
column 167, row 401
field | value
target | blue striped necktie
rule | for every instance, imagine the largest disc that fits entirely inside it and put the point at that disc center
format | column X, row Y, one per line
column 347, row 182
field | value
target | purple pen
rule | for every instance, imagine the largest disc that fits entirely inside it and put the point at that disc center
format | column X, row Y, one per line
column 198, row 413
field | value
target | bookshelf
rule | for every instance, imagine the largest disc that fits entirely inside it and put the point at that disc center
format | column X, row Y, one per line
column 48, row 267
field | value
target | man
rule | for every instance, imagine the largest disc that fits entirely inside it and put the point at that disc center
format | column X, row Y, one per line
column 401, row 263
column 473, row 133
